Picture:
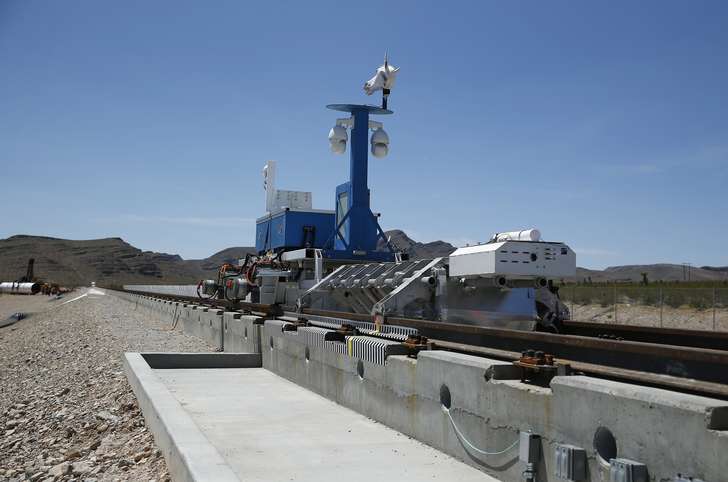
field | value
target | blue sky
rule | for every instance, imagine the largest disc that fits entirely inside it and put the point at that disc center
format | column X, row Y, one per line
column 604, row 124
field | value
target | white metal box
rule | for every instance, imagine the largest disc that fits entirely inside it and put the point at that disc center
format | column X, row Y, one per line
column 514, row 259
column 293, row 199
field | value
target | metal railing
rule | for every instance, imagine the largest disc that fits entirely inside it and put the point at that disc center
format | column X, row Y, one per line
column 664, row 306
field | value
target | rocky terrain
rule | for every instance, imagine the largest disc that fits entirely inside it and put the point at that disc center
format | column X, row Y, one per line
column 66, row 409
column 683, row 317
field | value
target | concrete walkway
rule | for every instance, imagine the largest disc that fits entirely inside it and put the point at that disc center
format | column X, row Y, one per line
column 269, row 429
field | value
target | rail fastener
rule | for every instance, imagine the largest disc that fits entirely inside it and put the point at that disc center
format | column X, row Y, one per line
column 539, row 368
column 415, row 344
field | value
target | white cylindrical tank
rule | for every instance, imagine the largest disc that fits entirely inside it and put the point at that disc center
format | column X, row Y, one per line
column 19, row 288
column 524, row 235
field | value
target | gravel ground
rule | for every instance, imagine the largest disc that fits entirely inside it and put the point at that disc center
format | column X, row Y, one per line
column 10, row 304
column 634, row 314
column 66, row 409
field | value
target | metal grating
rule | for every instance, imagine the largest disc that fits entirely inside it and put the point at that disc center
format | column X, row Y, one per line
column 313, row 335
column 373, row 350
column 393, row 332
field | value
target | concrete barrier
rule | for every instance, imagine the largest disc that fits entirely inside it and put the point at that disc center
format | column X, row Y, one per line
column 210, row 328
column 191, row 319
column 231, row 331
column 241, row 332
column 669, row 432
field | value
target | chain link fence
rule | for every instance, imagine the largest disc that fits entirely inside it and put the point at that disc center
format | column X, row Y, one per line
column 669, row 307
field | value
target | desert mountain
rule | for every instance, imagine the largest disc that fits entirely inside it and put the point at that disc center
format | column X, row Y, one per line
column 655, row 272
column 416, row 250
column 106, row 261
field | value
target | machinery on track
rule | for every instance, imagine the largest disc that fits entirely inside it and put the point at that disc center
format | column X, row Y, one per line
column 341, row 260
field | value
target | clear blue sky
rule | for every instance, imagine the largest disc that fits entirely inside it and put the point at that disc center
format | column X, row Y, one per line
column 604, row 124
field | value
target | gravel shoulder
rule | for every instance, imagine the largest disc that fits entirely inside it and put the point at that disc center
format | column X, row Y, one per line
column 31, row 305
column 642, row 315
column 66, row 409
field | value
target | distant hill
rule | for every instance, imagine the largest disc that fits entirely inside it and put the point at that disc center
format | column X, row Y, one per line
column 417, row 250
column 655, row 272
column 114, row 261
column 106, row 261
column 228, row 255
column 719, row 269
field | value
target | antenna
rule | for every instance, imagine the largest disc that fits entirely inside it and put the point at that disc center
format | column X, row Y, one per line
column 385, row 90
column 269, row 184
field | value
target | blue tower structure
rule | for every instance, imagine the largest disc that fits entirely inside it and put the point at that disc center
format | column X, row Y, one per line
column 351, row 232
column 357, row 232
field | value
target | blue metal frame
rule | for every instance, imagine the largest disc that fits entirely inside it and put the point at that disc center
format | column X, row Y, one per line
column 290, row 229
column 361, row 231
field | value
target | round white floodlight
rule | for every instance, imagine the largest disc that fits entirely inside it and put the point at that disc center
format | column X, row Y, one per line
column 338, row 147
column 379, row 150
column 338, row 133
column 380, row 143
column 338, row 138
column 380, row 137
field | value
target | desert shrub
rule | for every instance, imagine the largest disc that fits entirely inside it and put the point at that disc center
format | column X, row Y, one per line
column 699, row 303
column 697, row 295
column 650, row 297
column 674, row 298
column 721, row 298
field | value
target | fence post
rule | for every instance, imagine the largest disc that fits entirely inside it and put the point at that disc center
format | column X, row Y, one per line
column 714, row 300
column 661, row 303
column 573, row 296
column 615, row 303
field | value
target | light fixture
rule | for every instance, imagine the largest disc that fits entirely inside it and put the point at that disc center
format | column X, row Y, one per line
column 338, row 138
column 380, row 142
column 338, row 135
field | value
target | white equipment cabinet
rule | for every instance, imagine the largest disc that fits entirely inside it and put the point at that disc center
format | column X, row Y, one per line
column 514, row 259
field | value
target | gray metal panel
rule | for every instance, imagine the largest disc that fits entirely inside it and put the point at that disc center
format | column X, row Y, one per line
column 179, row 290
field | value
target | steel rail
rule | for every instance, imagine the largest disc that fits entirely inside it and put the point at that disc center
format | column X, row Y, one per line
column 683, row 362
column 647, row 334
column 677, row 351
column 697, row 387
column 619, row 346
column 671, row 336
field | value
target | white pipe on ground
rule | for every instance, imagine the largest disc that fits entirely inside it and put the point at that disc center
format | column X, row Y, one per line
column 19, row 288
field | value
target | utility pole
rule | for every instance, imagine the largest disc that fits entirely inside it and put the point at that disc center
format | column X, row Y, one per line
column 686, row 271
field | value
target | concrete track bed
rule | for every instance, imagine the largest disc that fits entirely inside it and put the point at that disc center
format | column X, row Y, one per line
column 670, row 432
column 246, row 423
